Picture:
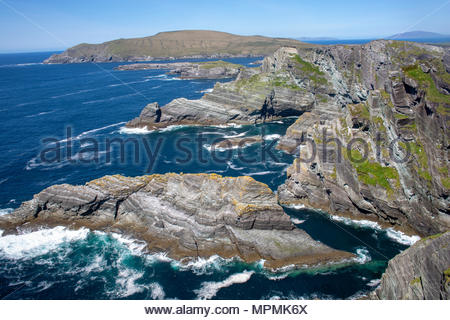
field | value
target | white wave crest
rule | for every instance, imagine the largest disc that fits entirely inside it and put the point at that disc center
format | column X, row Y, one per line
column 297, row 221
column 6, row 211
column 356, row 223
column 32, row 244
column 272, row 137
column 402, row 238
column 125, row 130
column 21, row 65
column 210, row 289
column 295, row 206
column 126, row 283
column 202, row 266
column 374, row 283
column 236, row 135
column 363, row 256
column 157, row 291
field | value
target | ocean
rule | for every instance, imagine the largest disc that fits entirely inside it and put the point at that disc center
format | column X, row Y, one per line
column 41, row 103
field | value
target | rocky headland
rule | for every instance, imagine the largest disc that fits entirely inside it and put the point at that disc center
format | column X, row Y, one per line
column 183, row 215
column 190, row 70
column 183, row 44
column 393, row 96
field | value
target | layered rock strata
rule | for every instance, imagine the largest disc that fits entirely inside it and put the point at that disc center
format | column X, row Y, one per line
column 185, row 215
column 190, row 70
column 421, row 272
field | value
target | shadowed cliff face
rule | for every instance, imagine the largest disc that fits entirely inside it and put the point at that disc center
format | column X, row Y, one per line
column 185, row 215
column 421, row 272
column 372, row 126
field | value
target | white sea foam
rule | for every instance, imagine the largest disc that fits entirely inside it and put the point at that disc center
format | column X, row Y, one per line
column 402, row 238
column 137, row 247
column 40, row 114
column 357, row 223
column 262, row 173
column 89, row 132
column 374, row 283
column 207, row 90
column 174, row 127
column 6, row 211
column 228, row 125
column 272, row 137
column 295, row 206
column 236, row 135
column 143, row 130
column 21, row 65
column 363, row 256
column 210, row 289
column 97, row 264
column 157, row 291
column 297, row 221
column 126, row 283
column 202, row 266
column 393, row 234
column 32, row 244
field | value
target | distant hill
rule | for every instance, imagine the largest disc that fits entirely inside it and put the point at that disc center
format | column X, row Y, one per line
column 176, row 44
column 418, row 35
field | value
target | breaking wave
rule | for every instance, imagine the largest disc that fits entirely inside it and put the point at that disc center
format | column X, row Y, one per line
column 209, row 290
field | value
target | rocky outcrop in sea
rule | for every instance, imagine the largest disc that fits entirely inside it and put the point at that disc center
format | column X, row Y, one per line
column 190, row 70
column 183, row 215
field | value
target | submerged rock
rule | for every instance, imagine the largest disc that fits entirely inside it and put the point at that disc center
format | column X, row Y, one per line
column 185, row 215
column 420, row 272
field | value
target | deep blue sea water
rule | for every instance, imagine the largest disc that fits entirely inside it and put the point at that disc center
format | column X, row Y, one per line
column 94, row 101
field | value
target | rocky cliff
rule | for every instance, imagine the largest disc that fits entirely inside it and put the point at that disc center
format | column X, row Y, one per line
column 372, row 126
column 175, row 44
column 420, row 272
column 190, row 70
column 257, row 95
column 185, row 215
column 380, row 148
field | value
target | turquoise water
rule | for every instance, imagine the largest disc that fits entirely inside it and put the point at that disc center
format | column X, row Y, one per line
column 94, row 101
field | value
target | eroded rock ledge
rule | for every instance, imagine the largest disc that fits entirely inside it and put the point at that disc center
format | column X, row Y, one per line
column 185, row 215
column 190, row 70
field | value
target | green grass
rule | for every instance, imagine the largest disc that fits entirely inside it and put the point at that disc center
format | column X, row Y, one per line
column 400, row 116
column 447, row 276
column 431, row 90
column 313, row 72
column 261, row 81
column 387, row 98
column 380, row 124
column 373, row 173
column 446, row 182
column 359, row 110
column 415, row 281
column 418, row 151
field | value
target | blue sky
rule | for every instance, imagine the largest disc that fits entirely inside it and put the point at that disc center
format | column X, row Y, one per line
column 32, row 25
